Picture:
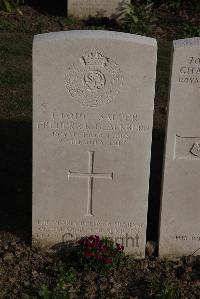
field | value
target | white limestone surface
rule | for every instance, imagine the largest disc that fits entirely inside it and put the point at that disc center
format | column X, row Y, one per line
column 93, row 100
column 97, row 8
column 180, row 212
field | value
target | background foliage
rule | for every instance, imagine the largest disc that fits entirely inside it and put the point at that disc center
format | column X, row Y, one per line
column 11, row 5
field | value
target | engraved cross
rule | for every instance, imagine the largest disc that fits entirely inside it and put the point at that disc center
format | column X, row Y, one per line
column 90, row 175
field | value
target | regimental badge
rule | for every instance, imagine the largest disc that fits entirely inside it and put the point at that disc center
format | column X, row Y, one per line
column 195, row 150
column 95, row 80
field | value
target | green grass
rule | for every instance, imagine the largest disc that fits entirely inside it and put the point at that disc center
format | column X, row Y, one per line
column 15, row 75
column 12, row 79
column 162, row 84
column 6, row 25
column 20, row 47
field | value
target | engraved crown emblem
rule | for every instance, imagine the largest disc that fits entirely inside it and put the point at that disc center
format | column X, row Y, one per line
column 94, row 80
column 94, row 59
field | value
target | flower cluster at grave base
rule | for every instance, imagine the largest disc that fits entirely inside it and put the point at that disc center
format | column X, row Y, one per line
column 98, row 253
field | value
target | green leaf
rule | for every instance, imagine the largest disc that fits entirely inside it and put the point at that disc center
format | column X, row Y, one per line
column 135, row 19
column 44, row 292
column 19, row 11
column 7, row 5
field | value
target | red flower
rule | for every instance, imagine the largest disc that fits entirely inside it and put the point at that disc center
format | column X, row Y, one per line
column 81, row 241
column 107, row 261
column 103, row 248
column 99, row 257
column 92, row 241
column 89, row 253
column 119, row 248
column 97, row 238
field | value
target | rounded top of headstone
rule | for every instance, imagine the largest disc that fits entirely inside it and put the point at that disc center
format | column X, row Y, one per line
column 98, row 34
column 194, row 41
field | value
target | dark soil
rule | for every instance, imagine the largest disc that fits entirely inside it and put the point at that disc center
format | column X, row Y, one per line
column 24, row 269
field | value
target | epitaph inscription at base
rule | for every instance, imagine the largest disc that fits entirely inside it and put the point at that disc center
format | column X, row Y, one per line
column 93, row 111
column 180, row 216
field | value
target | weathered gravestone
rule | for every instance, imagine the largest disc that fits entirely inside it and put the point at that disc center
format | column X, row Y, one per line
column 180, row 214
column 97, row 8
column 93, row 109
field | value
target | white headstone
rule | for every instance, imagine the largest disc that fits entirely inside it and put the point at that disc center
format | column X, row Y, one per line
column 180, row 214
column 97, row 8
column 93, row 111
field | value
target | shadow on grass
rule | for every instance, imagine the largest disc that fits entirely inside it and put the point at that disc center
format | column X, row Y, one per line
column 16, row 177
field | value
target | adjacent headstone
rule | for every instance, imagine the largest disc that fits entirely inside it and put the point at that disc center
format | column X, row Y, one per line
column 93, row 94
column 97, row 8
column 180, row 214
